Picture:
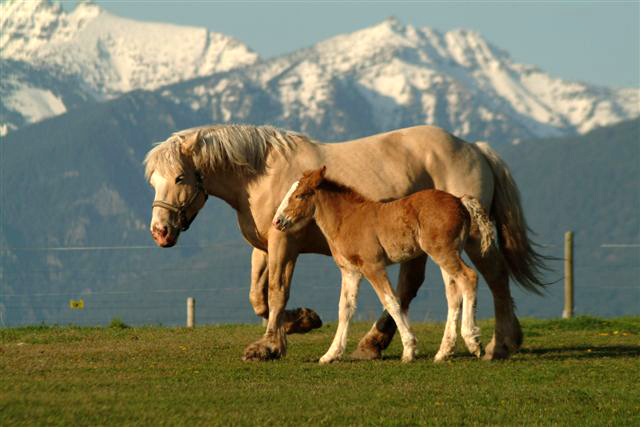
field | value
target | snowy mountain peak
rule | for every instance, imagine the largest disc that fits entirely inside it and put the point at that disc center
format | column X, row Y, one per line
column 98, row 55
column 113, row 54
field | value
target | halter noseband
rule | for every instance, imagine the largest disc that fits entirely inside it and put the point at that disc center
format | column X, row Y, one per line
column 181, row 210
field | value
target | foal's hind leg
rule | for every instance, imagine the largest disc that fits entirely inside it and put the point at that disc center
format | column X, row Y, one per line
column 381, row 333
column 461, row 285
column 467, row 282
column 348, row 299
column 507, row 336
column 454, row 299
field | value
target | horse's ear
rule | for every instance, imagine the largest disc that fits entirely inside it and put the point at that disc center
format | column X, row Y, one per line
column 190, row 145
column 323, row 171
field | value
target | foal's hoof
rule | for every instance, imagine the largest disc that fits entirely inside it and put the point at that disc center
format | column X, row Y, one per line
column 442, row 356
column 408, row 358
column 301, row 320
column 261, row 351
column 476, row 350
column 325, row 360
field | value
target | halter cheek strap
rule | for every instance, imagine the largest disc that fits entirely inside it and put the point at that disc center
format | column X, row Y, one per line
column 181, row 211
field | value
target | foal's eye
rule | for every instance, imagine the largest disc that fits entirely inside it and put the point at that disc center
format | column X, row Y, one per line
column 303, row 196
column 179, row 179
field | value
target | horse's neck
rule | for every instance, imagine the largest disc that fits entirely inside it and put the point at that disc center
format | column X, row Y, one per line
column 228, row 186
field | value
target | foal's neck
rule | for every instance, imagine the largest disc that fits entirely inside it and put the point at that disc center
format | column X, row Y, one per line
column 336, row 204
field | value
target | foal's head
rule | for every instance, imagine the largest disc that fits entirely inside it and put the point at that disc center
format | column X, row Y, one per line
column 299, row 205
column 180, row 192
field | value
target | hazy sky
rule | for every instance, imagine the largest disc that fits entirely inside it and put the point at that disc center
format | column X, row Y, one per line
column 592, row 41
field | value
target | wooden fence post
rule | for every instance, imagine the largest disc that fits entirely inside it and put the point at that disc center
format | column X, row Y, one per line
column 191, row 312
column 567, row 313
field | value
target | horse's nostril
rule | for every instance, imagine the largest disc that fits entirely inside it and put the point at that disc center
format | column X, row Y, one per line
column 160, row 231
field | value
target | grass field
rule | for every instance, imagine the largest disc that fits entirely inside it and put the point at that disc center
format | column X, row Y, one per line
column 583, row 371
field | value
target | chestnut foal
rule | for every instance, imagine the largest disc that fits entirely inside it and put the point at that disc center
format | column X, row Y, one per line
column 366, row 236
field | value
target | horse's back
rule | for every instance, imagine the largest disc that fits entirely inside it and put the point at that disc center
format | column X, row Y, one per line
column 400, row 162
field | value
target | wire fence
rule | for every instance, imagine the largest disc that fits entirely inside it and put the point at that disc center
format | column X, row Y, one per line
column 143, row 285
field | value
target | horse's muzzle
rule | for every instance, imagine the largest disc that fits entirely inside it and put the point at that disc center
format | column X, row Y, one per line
column 163, row 237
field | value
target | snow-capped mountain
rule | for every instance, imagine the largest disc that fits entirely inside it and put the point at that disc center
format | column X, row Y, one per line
column 386, row 76
column 98, row 54
column 393, row 75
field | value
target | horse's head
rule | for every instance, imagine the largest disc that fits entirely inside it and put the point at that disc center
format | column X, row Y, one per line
column 299, row 205
column 180, row 194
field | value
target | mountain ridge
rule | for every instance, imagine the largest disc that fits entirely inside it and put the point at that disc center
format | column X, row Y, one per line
column 104, row 54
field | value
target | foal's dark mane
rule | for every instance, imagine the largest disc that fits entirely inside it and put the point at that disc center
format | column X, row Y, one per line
column 345, row 191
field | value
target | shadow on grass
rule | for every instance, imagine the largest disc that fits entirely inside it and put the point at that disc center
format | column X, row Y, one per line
column 583, row 352
column 549, row 353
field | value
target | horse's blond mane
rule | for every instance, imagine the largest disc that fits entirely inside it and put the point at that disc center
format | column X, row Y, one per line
column 242, row 147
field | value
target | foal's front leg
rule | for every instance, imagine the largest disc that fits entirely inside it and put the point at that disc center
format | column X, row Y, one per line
column 348, row 301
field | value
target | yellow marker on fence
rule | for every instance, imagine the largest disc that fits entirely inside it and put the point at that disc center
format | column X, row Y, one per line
column 76, row 304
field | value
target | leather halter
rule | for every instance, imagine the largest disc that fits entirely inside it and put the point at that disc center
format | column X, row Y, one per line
column 181, row 211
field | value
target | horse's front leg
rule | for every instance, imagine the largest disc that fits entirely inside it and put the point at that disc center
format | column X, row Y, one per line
column 259, row 291
column 282, row 255
column 298, row 320
column 381, row 333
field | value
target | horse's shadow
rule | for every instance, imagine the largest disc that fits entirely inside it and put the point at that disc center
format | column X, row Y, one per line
column 583, row 352
column 546, row 353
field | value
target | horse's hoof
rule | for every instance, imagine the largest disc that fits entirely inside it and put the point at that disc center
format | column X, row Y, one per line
column 366, row 351
column 301, row 320
column 496, row 352
column 260, row 351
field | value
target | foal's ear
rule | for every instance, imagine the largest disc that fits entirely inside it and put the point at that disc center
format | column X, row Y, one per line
column 317, row 176
column 190, row 145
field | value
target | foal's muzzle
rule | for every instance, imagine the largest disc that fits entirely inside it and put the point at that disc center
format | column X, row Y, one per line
column 281, row 223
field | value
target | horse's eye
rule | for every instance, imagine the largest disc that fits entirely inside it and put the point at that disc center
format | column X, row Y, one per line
column 179, row 179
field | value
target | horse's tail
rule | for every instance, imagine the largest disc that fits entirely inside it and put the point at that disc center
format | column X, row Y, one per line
column 480, row 218
column 523, row 262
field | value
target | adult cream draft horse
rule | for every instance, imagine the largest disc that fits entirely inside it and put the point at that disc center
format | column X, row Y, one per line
column 252, row 168
column 366, row 236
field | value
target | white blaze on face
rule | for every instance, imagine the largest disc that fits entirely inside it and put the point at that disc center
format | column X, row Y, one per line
column 159, row 184
column 285, row 201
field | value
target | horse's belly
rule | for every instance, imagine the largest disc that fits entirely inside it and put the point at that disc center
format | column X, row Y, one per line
column 401, row 249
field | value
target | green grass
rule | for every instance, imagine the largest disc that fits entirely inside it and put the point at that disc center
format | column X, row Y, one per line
column 569, row 372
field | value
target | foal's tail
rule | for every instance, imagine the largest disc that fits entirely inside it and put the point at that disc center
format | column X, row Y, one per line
column 524, row 263
column 480, row 218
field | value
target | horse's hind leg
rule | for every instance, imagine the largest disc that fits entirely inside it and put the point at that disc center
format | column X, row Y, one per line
column 381, row 285
column 381, row 333
column 507, row 336
column 348, row 300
